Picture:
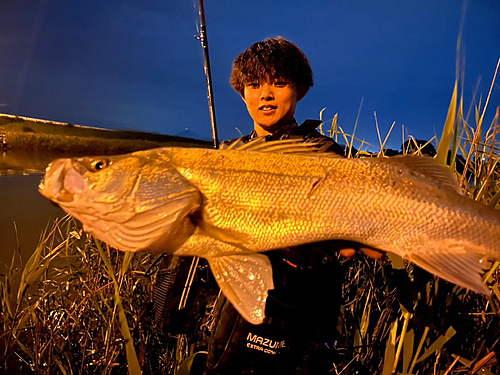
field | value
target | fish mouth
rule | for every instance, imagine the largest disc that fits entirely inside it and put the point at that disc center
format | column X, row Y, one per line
column 62, row 181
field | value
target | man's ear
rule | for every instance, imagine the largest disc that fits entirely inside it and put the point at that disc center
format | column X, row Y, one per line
column 243, row 98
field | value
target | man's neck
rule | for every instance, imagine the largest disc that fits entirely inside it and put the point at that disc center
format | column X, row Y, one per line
column 261, row 132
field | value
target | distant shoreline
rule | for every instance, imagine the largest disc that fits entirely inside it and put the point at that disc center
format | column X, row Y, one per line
column 26, row 134
column 67, row 144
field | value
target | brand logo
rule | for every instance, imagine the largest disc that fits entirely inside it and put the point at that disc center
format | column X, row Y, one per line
column 264, row 344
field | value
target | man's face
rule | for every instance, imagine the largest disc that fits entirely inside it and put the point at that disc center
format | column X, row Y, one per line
column 271, row 105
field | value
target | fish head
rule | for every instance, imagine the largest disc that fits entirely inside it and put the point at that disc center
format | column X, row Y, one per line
column 91, row 184
column 132, row 202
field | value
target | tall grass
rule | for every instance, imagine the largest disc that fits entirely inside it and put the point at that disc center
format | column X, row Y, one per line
column 398, row 318
column 76, row 307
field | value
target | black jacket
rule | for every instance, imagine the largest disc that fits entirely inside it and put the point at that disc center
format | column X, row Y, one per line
column 306, row 131
column 302, row 310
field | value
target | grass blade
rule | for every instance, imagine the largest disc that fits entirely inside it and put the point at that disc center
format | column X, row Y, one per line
column 133, row 362
column 390, row 349
column 449, row 125
column 406, row 316
column 408, row 350
column 438, row 344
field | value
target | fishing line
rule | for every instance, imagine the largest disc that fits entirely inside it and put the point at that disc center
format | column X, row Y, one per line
column 196, row 20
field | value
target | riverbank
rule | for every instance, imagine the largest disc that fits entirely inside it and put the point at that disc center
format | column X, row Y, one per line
column 17, row 133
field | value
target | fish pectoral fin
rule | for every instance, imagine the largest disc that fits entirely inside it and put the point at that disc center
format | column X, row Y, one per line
column 224, row 235
column 161, row 228
column 245, row 280
column 462, row 269
column 172, row 240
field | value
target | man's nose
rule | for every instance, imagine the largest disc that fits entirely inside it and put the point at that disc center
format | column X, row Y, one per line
column 267, row 92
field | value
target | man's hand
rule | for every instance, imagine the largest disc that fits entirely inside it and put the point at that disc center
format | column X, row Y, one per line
column 372, row 253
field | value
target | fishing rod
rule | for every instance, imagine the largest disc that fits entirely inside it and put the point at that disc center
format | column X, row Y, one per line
column 211, row 105
column 210, row 94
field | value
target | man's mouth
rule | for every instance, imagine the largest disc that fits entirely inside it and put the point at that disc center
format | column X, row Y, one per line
column 267, row 107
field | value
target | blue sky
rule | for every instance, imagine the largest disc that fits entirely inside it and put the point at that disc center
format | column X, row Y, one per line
column 136, row 64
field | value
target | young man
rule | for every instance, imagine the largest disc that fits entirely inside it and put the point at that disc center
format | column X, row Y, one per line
column 272, row 76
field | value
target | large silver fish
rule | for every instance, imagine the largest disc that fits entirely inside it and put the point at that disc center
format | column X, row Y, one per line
column 227, row 206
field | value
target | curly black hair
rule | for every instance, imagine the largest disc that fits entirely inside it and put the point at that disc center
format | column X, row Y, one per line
column 270, row 60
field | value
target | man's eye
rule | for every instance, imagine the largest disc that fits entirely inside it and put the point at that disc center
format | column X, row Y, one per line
column 280, row 84
column 253, row 85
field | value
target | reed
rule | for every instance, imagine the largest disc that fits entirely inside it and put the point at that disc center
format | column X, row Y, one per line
column 399, row 319
column 76, row 307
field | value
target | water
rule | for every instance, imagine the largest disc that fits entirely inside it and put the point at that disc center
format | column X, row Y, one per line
column 19, row 162
column 21, row 205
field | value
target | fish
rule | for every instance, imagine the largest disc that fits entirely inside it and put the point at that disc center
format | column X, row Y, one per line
column 229, row 206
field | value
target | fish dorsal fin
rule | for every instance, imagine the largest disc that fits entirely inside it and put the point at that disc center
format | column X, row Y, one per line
column 428, row 170
column 462, row 269
column 284, row 146
column 245, row 280
column 235, row 144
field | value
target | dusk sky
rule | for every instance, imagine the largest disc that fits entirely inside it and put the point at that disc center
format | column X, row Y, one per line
column 136, row 64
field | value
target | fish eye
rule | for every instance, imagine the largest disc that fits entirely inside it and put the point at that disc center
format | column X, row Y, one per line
column 100, row 164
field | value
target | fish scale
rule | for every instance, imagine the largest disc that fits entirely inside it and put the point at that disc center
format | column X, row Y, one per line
column 279, row 198
column 229, row 205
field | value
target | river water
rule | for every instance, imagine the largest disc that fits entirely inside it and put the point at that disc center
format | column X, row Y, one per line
column 24, row 213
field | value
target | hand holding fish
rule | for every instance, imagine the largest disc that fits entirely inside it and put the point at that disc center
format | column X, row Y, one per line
column 372, row 253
